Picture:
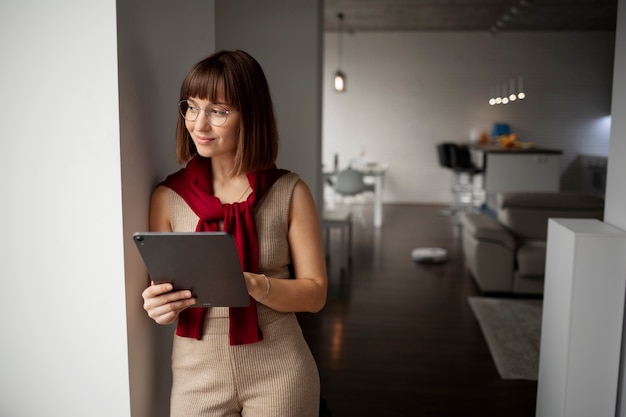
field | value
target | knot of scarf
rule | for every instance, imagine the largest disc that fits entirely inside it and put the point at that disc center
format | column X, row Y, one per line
column 195, row 186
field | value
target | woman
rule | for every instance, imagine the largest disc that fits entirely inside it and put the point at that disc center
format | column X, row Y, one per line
column 249, row 361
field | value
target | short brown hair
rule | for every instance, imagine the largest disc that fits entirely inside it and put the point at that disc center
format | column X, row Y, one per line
column 245, row 87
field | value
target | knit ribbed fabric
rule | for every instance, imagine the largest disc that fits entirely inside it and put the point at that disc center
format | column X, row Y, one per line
column 276, row 377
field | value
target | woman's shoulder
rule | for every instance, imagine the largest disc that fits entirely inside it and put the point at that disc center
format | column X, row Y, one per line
column 285, row 185
column 289, row 178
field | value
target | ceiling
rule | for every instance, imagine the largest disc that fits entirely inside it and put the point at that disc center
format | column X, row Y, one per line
column 471, row 15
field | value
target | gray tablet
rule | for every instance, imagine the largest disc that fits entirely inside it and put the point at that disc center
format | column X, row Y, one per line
column 206, row 263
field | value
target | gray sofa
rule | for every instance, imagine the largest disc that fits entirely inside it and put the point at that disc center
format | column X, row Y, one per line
column 506, row 253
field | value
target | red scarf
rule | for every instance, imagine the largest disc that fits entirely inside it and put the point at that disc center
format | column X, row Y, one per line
column 194, row 184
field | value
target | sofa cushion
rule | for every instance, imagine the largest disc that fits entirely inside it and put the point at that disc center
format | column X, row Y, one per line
column 489, row 262
column 531, row 258
column 483, row 227
column 526, row 214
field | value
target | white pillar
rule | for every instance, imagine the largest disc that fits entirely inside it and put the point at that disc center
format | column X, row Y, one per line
column 582, row 319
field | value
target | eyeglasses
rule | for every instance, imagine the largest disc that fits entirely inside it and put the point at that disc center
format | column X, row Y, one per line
column 217, row 115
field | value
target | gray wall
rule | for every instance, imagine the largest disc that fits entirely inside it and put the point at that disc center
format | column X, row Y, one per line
column 286, row 38
column 408, row 91
column 152, row 64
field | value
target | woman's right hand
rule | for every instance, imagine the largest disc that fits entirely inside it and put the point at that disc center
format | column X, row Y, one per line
column 164, row 305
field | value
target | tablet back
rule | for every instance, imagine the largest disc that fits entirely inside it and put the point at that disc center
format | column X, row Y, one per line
column 206, row 263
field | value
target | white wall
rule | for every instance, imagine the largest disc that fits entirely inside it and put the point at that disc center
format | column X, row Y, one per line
column 152, row 65
column 286, row 38
column 615, row 209
column 615, row 212
column 64, row 344
column 408, row 91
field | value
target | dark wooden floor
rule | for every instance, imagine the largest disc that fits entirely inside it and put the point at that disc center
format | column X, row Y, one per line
column 397, row 338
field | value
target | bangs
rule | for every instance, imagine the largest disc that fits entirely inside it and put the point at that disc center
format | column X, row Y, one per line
column 207, row 80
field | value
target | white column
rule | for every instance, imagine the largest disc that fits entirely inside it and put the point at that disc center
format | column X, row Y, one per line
column 582, row 319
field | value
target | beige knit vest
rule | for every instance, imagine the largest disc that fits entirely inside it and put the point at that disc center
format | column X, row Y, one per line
column 272, row 222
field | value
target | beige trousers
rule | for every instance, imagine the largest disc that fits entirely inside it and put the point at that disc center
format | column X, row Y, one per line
column 276, row 377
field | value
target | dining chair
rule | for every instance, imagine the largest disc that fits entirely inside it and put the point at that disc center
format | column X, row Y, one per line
column 350, row 182
column 351, row 188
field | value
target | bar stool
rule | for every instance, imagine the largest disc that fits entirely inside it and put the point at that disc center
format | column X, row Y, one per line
column 458, row 159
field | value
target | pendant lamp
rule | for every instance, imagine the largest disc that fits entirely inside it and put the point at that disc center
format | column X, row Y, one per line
column 502, row 96
column 340, row 76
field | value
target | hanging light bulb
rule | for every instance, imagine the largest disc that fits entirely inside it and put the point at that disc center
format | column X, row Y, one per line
column 340, row 76
column 492, row 99
column 498, row 97
column 505, row 97
column 520, row 92
column 340, row 81
column 512, row 96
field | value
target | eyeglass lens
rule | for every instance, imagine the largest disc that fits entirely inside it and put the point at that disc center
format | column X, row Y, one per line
column 217, row 115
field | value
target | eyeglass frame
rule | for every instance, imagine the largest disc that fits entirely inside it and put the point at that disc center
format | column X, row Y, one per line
column 205, row 110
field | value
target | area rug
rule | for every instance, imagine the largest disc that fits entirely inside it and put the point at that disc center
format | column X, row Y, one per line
column 512, row 329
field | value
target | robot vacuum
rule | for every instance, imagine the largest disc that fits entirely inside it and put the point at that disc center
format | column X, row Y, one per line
column 429, row 255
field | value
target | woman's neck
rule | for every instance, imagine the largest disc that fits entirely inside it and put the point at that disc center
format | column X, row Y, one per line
column 223, row 170
column 229, row 186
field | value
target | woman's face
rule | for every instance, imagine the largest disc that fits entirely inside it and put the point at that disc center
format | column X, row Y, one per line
column 213, row 141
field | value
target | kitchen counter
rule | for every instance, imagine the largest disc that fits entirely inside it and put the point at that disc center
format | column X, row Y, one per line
column 517, row 169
